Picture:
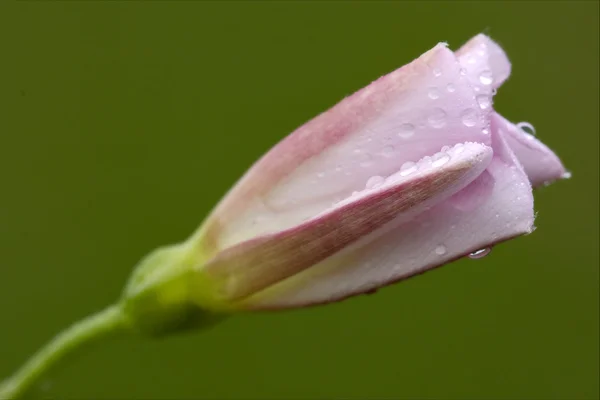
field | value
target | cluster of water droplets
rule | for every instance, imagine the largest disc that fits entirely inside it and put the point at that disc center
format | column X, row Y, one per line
column 410, row 167
column 437, row 118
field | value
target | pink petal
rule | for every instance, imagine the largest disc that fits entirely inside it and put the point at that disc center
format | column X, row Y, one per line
column 485, row 62
column 540, row 163
column 495, row 207
column 254, row 265
column 401, row 117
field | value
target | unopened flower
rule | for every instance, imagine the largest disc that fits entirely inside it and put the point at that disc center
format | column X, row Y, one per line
column 409, row 173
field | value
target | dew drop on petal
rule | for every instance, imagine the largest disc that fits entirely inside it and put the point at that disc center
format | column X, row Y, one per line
column 424, row 163
column 437, row 118
column 485, row 131
column 388, row 151
column 374, row 182
column 480, row 253
column 321, row 175
column 440, row 250
column 458, row 148
column 484, row 101
column 463, row 71
column 485, row 77
column 469, row 117
column 450, row 87
column 408, row 168
column 440, row 159
column 437, row 72
column 433, row 93
column 406, row 131
column 526, row 127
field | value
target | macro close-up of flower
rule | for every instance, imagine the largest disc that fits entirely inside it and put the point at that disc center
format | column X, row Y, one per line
column 413, row 171
column 436, row 163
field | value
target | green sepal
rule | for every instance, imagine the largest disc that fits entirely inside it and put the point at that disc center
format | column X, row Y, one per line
column 157, row 300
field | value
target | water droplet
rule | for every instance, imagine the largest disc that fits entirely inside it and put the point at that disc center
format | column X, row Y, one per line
column 526, row 127
column 494, row 91
column 387, row 151
column 437, row 72
column 424, row 163
column 437, row 118
column 433, row 93
column 458, row 148
column 484, row 101
column 450, row 87
column 566, row 175
column 445, row 149
column 463, row 71
column 469, row 117
column 485, row 131
column 338, row 167
column 408, row 168
column 480, row 253
column 374, row 182
column 321, row 175
column 406, row 130
column 440, row 159
column 440, row 250
column 485, row 77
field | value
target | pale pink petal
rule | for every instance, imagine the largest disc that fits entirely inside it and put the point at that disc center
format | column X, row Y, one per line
column 495, row 207
column 401, row 117
column 540, row 163
column 254, row 265
column 484, row 61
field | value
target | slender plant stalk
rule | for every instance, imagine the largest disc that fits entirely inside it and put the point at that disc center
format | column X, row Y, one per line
column 96, row 326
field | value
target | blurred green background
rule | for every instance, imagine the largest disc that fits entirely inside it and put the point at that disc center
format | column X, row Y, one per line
column 123, row 123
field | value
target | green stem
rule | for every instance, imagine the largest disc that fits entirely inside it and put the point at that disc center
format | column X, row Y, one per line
column 93, row 327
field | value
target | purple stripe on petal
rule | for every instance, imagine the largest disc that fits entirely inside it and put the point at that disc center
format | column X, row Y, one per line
column 256, row 264
column 452, row 229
